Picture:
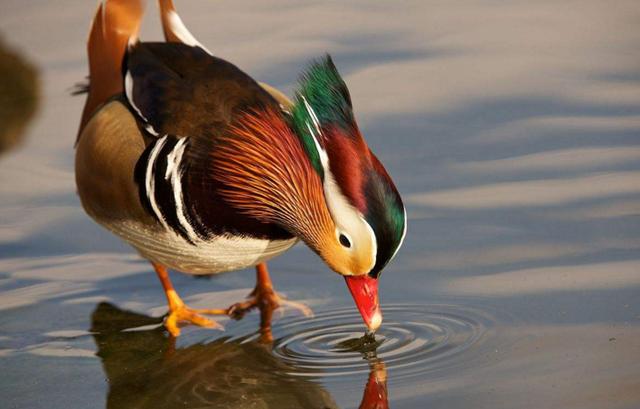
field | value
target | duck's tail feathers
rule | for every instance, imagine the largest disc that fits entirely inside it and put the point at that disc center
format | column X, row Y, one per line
column 174, row 29
column 115, row 25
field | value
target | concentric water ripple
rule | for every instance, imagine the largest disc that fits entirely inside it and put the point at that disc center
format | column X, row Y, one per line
column 413, row 339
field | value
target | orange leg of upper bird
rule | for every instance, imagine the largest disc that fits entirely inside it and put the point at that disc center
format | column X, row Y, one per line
column 267, row 300
column 262, row 297
column 179, row 313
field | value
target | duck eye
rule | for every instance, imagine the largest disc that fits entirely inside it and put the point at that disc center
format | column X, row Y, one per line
column 344, row 241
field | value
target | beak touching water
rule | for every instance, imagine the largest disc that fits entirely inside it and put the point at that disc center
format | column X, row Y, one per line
column 364, row 290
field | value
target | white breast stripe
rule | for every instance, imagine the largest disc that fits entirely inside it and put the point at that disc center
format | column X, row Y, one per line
column 128, row 90
column 150, row 180
column 174, row 174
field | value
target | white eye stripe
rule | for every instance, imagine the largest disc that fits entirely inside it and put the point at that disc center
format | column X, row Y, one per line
column 346, row 217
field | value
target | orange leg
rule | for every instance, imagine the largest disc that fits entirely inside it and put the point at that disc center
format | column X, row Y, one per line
column 267, row 300
column 178, row 312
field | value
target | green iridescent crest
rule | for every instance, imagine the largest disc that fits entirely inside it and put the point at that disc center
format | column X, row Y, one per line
column 322, row 99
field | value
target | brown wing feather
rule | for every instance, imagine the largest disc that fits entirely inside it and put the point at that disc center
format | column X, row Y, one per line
column 173, row 28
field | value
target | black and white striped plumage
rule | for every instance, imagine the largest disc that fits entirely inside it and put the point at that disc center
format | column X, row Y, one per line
column 160, row 176
column 172, row 175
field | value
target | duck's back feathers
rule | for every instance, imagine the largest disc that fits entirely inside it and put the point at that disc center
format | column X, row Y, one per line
column 182, row 90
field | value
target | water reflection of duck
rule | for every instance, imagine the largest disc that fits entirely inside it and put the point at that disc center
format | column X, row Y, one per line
column 144, row 369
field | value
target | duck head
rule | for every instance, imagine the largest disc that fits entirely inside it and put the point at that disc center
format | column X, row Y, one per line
column 311, row 172
column 365, row 207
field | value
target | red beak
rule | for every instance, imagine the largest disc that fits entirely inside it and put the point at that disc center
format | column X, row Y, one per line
column 364, row 290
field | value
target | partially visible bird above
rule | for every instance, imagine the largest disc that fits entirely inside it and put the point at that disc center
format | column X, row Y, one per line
column 204, row 170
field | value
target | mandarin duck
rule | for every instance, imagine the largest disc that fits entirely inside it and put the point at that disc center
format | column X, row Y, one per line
column 204, row 170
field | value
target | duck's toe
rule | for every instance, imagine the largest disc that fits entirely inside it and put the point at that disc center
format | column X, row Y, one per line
column 184, row 315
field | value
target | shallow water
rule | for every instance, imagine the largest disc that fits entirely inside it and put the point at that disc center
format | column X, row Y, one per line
column 511, row 131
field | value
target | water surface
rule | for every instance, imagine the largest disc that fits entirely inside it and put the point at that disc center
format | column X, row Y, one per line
column 511, row 130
